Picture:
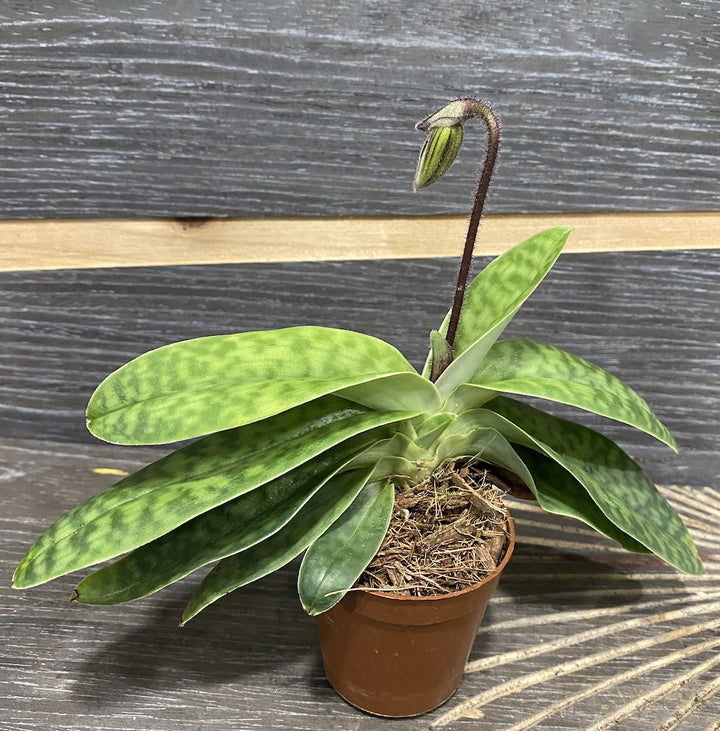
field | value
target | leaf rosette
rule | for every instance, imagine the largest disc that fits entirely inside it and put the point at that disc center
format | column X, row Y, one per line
column 300, row 433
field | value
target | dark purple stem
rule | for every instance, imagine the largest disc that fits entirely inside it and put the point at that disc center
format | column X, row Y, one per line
column 492, row 124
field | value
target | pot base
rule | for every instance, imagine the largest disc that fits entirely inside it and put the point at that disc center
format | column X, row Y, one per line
column 416, row 711
column 399, row 656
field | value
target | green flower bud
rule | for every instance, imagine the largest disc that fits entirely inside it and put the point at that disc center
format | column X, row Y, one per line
column 437, row 154
column 454, row 113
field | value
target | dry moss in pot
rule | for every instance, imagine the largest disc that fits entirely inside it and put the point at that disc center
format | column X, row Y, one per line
column 303, row 433
column 396, row 645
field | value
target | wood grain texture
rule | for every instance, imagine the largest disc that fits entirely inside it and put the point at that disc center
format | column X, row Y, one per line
column 649, row 317
column 251, row 661
column 268, row 108
column 41, row 245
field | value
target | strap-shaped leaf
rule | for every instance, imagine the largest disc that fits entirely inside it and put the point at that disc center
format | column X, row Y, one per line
column 555, row 489
column 200, row 386
column 397, row 456
column 399, row 391
column 320, row 512
column 535, row 369
column 397, row 445
column 334, row 561
column 494, row 297
column 190, row 481
column 558, row 492
column 619, row 487
column 466, row 397
column 487, row 444
column 428, row 429
column 221, row 532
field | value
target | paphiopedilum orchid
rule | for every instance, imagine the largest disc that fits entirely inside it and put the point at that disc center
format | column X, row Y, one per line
column 303, row 432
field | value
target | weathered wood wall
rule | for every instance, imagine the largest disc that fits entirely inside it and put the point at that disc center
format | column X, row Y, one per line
column 646, row 316
column 574, row 615
column 263, row 107
column 246, row 109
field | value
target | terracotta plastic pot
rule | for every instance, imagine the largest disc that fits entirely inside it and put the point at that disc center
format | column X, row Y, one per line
column 402, row 656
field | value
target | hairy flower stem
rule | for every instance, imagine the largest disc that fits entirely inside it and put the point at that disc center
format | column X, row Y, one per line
column 492, row 124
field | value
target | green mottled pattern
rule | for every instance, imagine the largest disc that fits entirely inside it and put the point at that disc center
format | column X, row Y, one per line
column 400, row 391
column 557, row 491
column 320, row 512
column 494, row 297
column 619, row 487
column 200, row 386
column 535, row 369
column 336, row 559
column 220, row 532
column 190, row 481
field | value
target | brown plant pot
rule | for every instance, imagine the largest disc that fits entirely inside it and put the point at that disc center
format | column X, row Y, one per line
column 402, row 656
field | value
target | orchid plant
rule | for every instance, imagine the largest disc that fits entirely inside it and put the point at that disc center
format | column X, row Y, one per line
column 306, row 430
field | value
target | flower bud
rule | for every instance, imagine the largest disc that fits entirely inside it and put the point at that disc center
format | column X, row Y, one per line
column 437, row 154
column 455, row 113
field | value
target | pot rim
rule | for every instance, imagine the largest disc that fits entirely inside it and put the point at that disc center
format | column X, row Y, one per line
column 437, row 597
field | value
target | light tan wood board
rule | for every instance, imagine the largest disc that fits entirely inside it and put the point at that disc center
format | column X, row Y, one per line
column 81, row 244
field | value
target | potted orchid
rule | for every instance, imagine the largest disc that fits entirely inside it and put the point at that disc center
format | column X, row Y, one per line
column 314, row 441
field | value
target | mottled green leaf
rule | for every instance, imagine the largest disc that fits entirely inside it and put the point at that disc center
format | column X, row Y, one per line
column 401, row 391
column 494, row 297
column 223, row 531
column 619, row 487
column 535, row 369
column 200, row 386
column 320, row 512
column 191, row 481
column 557, row 491
column 335, row 560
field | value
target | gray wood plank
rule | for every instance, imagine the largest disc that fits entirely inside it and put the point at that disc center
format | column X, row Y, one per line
column 649, row 317
column 269, row 108
column 251, row 661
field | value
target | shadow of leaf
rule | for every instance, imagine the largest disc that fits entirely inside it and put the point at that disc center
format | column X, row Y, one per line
column 254, row 633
